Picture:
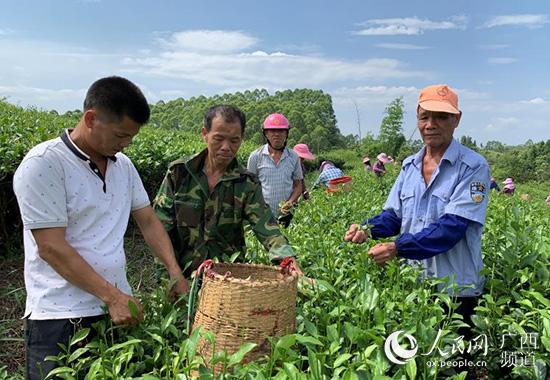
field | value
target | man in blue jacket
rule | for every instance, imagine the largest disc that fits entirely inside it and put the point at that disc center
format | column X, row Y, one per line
column 437, row 205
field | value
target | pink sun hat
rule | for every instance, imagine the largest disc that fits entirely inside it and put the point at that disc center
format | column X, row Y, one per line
column 509, row 184
column 384, row 158
column 303, row 151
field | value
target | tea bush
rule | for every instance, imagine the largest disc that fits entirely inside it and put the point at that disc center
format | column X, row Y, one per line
column 344, row 319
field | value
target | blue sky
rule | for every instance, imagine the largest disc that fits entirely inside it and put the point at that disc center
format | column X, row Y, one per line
column 495, row 53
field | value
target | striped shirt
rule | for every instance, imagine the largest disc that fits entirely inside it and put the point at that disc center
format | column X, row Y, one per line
column 276, row 179
column 329, row 173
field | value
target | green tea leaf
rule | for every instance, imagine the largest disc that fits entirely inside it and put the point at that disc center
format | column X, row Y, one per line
column 134, row 311
column 79, row 336
column 238, row 356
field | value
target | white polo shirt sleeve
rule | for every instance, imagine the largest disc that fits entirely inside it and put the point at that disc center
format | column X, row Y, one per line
column 140, row 199
column 39, row 186
column 471, row 196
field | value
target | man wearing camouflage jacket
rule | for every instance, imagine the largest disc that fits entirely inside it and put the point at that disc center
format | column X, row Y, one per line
column 204, row 199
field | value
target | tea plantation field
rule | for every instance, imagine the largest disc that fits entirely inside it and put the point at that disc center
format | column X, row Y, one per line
column 344, row 319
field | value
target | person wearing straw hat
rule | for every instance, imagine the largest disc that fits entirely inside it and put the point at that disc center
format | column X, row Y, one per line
column 205, row 199
column 366, row 164
column 303, row 152
column 509, row 186
column 379, row 169
column 277, row 167
column 437, row 205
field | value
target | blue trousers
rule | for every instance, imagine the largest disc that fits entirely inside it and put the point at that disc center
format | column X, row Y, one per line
column 42, row 338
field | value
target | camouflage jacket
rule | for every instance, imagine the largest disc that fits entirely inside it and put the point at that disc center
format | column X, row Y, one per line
column 205, row 225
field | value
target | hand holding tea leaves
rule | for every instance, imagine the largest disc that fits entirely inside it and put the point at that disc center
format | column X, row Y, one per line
column 383, row 252
column 125, row 309
column 356, row 234
column 286, row 207
column 178, row 286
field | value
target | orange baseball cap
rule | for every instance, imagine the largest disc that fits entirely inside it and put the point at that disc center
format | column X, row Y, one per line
column 439, row 98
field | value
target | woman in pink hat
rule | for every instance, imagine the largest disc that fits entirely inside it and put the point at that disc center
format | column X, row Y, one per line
column 509, row 187
column 548, row 200
column 379, row 168
column 303, row 152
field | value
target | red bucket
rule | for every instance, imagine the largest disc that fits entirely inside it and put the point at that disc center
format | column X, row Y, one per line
column 339, row 184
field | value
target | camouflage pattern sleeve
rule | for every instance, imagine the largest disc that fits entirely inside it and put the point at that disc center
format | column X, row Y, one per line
column 264, row 225
column 164, row 202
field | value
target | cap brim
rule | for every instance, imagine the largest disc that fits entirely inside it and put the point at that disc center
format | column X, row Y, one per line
column 437, row 106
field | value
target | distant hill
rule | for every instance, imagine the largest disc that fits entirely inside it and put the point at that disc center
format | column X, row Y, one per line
column 310, row 114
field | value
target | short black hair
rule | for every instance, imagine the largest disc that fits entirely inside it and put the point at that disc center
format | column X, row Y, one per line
column 229, row 114
column 118, row 97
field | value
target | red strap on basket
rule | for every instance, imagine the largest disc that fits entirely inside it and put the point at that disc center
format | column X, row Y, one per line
column 288, row 265
column 206, row 265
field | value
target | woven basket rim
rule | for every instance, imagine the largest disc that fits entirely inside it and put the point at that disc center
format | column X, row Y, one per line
column 213, row 275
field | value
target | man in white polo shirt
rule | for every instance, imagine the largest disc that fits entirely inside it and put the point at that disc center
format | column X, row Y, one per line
column 76, row 193
column 278, row 169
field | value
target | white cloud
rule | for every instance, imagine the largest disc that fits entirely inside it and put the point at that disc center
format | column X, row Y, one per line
column 536, row 101
column 400, row 46
column 508, row 125
column 470, row 95
column 210, row 40
column 407, row 26
column 507, row 120
column 493, row 46
column 501, row 60
column 383, row 94
column 377, row 94
column 6, row 31
column 492, row 128
column 42, row 96
column 528, row 20
column 300, row 48
column 238, row 69
column 33, row 72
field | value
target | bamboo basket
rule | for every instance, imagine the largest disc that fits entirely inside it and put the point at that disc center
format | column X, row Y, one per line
column 245, row 303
